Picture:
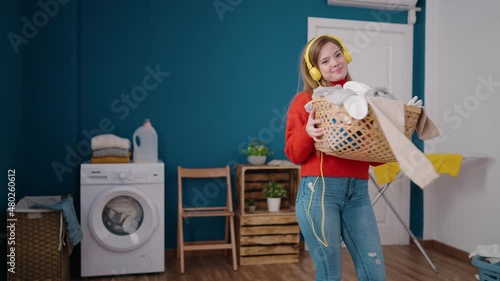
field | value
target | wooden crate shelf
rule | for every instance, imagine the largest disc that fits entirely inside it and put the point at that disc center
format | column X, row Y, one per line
column 264, row 237
column 252, row 179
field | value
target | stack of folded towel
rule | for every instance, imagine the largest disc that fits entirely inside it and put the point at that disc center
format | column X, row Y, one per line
column 109, row 148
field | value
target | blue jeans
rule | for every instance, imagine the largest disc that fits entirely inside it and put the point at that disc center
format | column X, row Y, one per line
column 346, row 213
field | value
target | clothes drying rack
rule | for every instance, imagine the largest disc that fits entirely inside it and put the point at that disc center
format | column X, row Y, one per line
column 381, row 191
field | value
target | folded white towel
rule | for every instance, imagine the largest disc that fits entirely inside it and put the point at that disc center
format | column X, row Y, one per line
column 491, row 252
column 112, row 151
column 108, row 141
column 278, row 162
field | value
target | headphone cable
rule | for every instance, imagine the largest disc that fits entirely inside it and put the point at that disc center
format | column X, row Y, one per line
column 324, row 241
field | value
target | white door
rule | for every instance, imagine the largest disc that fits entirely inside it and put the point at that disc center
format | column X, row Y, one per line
column 382, row 57
column 123, row 218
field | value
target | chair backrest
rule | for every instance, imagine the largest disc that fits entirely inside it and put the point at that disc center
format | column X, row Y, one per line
column 205, row 173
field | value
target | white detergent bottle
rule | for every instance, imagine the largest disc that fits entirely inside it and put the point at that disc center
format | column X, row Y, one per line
column 147, row 151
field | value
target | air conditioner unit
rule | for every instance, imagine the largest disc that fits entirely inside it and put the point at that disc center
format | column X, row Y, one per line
column 403, row 5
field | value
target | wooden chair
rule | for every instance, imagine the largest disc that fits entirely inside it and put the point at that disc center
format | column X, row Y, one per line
column 222, row 211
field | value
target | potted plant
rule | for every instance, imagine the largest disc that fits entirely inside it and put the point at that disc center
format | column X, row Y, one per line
column 274, row 192
column 251, row 205
column 257, row 152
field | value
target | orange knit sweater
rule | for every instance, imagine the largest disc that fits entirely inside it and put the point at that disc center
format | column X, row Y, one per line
column 299, row 147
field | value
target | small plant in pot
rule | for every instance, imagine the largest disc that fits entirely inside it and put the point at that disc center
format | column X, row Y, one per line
column 251, row 205
column 257, row 152
column 274, row 192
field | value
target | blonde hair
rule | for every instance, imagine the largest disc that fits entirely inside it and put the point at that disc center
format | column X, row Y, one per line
column 309, row 83
column 314, row 49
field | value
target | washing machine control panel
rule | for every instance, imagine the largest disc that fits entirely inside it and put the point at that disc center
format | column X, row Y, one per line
column 129, row 176
column 122, row 175
column 96, row 174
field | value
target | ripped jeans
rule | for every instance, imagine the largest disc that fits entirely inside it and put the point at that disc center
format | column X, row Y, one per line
column 345, row 212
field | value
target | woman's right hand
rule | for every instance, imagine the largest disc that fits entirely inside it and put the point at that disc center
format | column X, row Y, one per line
column 311, row 129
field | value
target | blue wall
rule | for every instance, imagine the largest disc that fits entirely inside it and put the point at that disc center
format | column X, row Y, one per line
column 40, row 87
column 11, row 92
column 12, row 100
column 417, row 194
column 228, row 77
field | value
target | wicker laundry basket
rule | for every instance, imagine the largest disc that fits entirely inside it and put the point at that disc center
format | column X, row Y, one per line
column 40, row 251
column 362, row 140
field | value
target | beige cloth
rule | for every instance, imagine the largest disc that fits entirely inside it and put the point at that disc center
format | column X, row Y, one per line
column 426, row 129
column 391, row 118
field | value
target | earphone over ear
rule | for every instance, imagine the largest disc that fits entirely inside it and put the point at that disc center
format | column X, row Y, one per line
column 314, row 71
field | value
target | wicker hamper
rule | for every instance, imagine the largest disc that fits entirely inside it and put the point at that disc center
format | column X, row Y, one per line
column 362, row 140
column 487, row 271
column 40, row 252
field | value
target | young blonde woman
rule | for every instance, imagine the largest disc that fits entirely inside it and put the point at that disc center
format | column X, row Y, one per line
column 333, row 203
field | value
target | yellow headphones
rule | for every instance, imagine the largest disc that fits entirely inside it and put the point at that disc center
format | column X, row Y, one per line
column 313, row 71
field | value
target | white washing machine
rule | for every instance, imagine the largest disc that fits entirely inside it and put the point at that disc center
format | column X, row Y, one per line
column 122, row 218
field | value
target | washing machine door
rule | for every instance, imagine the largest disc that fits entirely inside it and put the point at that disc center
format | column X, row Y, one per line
column 123, row 218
